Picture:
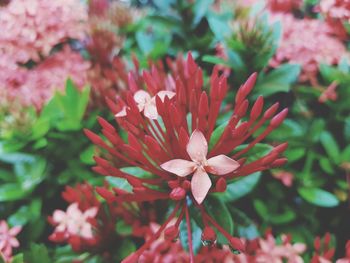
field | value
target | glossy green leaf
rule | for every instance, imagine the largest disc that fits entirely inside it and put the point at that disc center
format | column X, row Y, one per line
column 278, row 80
column 318, row 197
column 330, row 145
column 196, row 236
column 37, row 253
column 218, row 210
column 239, row 187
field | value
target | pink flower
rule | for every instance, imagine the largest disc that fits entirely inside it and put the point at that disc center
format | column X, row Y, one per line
column 8, row 239
column 285, row 177
column 329, row 93
column 31, row 29
column 300, row 44
column 197, row 149
column 74, row 221
column 146, row 103
column 179, row 145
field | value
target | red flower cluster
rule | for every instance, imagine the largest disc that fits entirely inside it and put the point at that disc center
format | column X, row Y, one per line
column 154, row 142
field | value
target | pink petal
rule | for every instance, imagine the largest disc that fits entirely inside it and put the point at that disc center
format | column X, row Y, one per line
column 200, row 185
column 150, row 111
column 2, row 244
column 15, row 230
column 221, row 164
column 122, row 113
column 197, row 147
column 14, row 242
column 86, row 231
column 91, row 212
column 164, row 93
column 141, row 97
column 73, row 209
column 179, row 167
column 59, row 216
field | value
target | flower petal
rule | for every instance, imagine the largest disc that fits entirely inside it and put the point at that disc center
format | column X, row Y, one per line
column 197, row 147
column 58, row 216
column 150, row 111
column 221, row 164
column 91, row 212
column 141, row 97
column 15, row 230
column 179, row 167
column 122, row 113
column 165, row 93
column 200, row 185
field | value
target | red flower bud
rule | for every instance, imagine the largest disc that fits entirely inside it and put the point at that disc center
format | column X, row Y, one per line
column 221, row 185
column 178, row 193
column 208, row 236
column 171, row 233
column 237, row 244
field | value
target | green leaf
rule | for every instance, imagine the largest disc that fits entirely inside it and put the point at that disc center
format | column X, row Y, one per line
column 136, row 171
column 119, row 183
column 239, row 187
column 30, row 173
column 122, row 228
column 259, row 150
column 37, row 253
column 125, row 249
column 219, row 25
column 278, row 80
column 18, row 258
column 11, row 192
column 217, row 134
column 218, row 210
column 200, row 8
column 87, row 156
column 214, row 60
column 330, row 145
column 318, row 197
column 196, row 235
column 326, row 165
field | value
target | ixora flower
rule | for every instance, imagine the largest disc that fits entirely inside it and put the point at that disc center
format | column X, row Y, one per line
column 147, row 104
column 197, row 149
column 8, row 239
column 185, row 155
column 74, row 221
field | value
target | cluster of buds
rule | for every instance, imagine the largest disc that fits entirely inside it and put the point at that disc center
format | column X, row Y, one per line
column 173, row 145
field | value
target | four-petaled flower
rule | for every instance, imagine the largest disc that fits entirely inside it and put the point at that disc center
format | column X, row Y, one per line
column 147, row 104
column 197, row 149
column 8, row 239
column 74, row 221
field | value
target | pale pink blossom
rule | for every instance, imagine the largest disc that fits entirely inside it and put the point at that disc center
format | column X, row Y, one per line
column 8, row 239
column 200, row 166
column 285, row 177
column 270, row 252
column 329, row 93
column 74, row 221
column 37, row 85
column 147, row 104
column 300, row 44
column 30, row 29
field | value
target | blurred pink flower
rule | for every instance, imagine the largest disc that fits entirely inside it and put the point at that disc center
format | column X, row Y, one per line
column 32, row 28
column 300, row 44
column 74, row 221
column 285, row 177
column 329, row 93
column 8, row 239
column 36, row 86
column 337, row 12
column 273, row 253
column 146, row 103
column 197, row 149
